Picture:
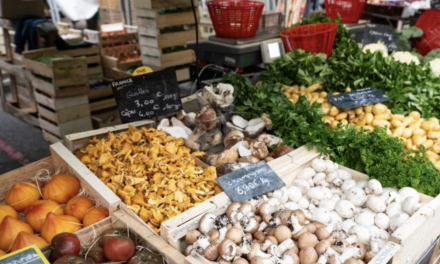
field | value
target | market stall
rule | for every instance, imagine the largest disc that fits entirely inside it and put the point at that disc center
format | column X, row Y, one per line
column 330, row 153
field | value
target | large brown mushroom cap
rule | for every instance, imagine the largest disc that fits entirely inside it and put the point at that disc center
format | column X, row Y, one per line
column 307, row 240
column 308, row 255
column 191, row 236
column 282, row 233
column 235, row 234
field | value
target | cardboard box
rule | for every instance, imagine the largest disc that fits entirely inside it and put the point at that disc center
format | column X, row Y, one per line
column 14, row 9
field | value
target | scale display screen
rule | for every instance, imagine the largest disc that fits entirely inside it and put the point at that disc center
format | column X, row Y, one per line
column 271, row 50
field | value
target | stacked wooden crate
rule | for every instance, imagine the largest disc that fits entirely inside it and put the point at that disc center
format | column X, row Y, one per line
column 61, row 91
column 111, row 11
column 93, row 58
column 164, row 29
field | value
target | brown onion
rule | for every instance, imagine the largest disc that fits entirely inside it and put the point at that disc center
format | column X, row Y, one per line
column 78, row 206
column 56, row 224
column 21, row 195
column 95, row 215
column 25, row 239
column 36, row 213
column 9, row 229
column 61, row 188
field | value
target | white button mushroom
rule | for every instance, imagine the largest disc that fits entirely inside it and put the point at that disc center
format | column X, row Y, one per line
column 349, row 183
column 303, row 185
column 375, row 204
column 408, row 191
column 331, row 166
column 316, row 194
column 393, row 208
column 357, row 196
column 364, row 218
column 321, row 215
column 345, row 208
column 363, row 233
column 362, row 183
column 409, row 205
column 328, row 204
column 344, row 174
column 382, row 221
column 373, row 187
column 306, row 174
column 303, row 203
column 294, row 193
column 397, row 220
column 319, row 164
column 347, row 225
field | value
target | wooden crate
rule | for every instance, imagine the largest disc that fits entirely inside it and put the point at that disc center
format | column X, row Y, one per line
column 61, row 116
column 111, row 63
column 54, row 163
column 110, row 16
column 145, row 237
column 405, row 245
column 110, row 4
column 170, row 59
column 62, row 77
column 93, row 58
column 154, row 4
column 106, row 118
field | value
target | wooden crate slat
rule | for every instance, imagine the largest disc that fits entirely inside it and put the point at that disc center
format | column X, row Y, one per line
column 183, row 74
column 48, row 88
column 170, row 59
column 100, row 92
column 92, row 71
column 64, row 115
column 105, row 119
column 154, row 19
column 166, row 40
column 82, row 51
column 70, row 68
column 60, row 103
column 62, row 129
column 95, row 59
column 102, row 104
column 49, row 137
column 155, row 4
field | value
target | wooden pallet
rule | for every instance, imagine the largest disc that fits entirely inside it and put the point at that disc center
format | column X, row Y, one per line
column 93, row 59
column 63, row 77
column 61, row 116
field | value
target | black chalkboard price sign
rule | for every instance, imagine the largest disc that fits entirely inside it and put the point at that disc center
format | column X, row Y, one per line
column 250, row 181
column 28, row 255
column 358, row 98
column 147, row 96
column 384, row 33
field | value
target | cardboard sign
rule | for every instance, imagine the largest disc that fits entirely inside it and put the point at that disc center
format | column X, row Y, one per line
column 250, row 181
column 383, row 33
column 147, row 96
column 361, row 97
column 28, row 255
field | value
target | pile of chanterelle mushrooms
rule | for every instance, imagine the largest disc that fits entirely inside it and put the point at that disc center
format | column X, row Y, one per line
column 323, row 217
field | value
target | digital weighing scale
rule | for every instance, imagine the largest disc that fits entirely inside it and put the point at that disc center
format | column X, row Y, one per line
column 264, row 47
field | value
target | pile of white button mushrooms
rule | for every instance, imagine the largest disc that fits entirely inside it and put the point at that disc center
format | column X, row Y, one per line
column 325, row 216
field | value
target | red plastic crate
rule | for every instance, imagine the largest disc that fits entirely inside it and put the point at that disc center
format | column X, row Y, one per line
column 429, row 22
column 315, row 38
column 350, row 10
column 235, row 19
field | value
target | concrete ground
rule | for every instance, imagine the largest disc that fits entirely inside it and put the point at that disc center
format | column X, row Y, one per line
column 20, row 143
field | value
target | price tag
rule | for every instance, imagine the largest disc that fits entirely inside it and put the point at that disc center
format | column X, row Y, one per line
column 147, row 96
column 361, row 97
column 375, row 32
column 142, row 70
column 250, row 181
column 28, row 255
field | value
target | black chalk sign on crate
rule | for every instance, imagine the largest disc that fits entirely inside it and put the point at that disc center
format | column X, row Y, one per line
column 28, row 255
column 361, row 97
column 375, row 32
column 250, row 181
column 147, row 96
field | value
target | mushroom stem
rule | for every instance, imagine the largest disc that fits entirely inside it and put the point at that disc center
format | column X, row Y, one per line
column 279, row 250
column 222, row 232
column 295, row 223
column 202, row 242
column 263, row 226
column 374, row 244
column 287, row 259
column 322, row 259
column 351, row 252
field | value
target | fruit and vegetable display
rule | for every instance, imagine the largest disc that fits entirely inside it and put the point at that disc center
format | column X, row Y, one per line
column 412, row 129
column 113, row 245
column 34, row 213
column 324, row 216
column 153, row 173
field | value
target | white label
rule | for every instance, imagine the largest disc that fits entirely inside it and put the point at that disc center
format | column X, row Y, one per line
column 274, row 50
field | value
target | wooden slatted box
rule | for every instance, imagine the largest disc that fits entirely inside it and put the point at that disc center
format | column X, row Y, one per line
column 62, row 116
column 63, row 77
column 93, row 58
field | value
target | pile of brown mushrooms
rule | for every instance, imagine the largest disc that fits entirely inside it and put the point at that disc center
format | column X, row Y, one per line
column 241, row 151
column 258, row 232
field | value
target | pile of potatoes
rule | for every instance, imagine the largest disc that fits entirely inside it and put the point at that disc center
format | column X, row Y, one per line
column 412, row 129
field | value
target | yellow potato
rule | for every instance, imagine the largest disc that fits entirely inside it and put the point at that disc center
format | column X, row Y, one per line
column 323, row 95
column 368, row 108
column 417, row 140
column 334, row 124
column 382, row 116
column 428, row 144
column 334, row 111
column 407, row 132
column 437, row 165
column 369, row 118
column 436, row 147
column 432, row 154
column 325, row 110
column 396, row 123
column 419, row 132
column 415, row 114
column 398, row 132
column 359, row 110
column 361, row 121
column 433, row 134
column 434, row 121
column 368, row 127
column 380, row 123
column 313, row 88
column 389, row 133
column 407, row 120
column 320, row 100
column 328, row 119
column 379, row 109
column 398, row 117
column 428, row 125
column 344, row 121
column 335, row 93
column 409, row 143
column 416, row 123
